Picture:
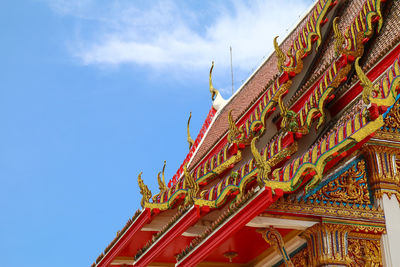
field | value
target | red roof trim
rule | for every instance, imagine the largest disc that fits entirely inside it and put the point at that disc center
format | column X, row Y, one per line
column 193, row 149
column 140, row 221
column 238, row 220
column 191, row 217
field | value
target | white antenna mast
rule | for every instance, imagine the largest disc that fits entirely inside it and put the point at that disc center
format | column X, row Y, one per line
column 231, row 68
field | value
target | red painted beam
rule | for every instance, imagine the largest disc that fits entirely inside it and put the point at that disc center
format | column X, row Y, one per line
column 176, row 230
column 140, row 221
column 262, row 200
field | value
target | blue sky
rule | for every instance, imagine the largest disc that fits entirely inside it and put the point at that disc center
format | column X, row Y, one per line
column 92, row 93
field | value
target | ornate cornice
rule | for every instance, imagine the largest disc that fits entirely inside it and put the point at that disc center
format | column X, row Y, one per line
column 327, row 210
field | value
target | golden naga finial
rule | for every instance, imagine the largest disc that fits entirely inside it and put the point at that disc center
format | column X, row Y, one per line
column 289, row 121
column 191, row 185
column 366, row 84
column 144, row 191
column 282, row 106
column 233, row 132
column 280, row 55
column 161, row 181
column 339, row 38
column 189, row 139
column 284, row 112
column 261, row 164
column 214, row 92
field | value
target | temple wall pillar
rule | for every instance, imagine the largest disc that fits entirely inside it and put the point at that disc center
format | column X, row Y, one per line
column 391, row 240
column 328, row 244
column 384, row 179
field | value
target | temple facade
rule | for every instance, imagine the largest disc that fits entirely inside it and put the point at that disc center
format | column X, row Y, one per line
column 300, row 167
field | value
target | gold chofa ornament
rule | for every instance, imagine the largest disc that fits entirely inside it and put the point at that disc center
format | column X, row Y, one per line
column 214, row 92
column 161, row 180
column 189, row 138
column 366, row 84
column 279, row 54
column 144, row 191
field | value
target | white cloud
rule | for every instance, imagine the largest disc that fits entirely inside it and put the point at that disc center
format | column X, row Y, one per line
column 163, row 34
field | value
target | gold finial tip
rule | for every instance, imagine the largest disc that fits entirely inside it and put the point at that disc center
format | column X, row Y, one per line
column 280, row 55
column 214, row 92
column 189, row 138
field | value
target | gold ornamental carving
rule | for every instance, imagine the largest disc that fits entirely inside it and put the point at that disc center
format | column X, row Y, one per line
column 214, row 92
column 161, row 179
column 144, row 191
column 339, row 38
column 328, row 210
column 234, row 133
column 191, row 185
column 365, row 252
column 189, row 138
column 300, row 259
column 392, row 120
column 274, row 238
column 327, row 244
column 350, row 187
column 280, row 55
column 263, row 165
column 289, row 117
column 368, row 87
column 384, row 162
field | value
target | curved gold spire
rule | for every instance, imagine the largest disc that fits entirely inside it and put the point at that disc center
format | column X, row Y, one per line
column 233, row 132
column 282, row 106
column 366, row 84
column 279, row 54
column 284, row 112
column 339, row 37
column 289, row 121
column 161, row 181
column 214, row 92
column 189, row 139
column 261, row 164
column 144, row 191
column 191, row 185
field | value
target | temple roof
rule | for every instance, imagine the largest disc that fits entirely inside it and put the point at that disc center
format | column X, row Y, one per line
column 327, row 93
column 247, row 94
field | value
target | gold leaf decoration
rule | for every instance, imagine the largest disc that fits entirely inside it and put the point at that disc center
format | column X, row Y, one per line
column 392, row 120
column 263, row 165
column 161, row 180
column 191, row 185
column 364, row 252
column 350, row 187
column 279, row 54
column 233, row 133
column 366, row 84
column 189, row 139
column 214, row 92
column 339, row 38
column 144, row 191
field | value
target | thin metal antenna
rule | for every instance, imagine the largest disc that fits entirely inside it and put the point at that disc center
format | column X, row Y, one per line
column 231, row 68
